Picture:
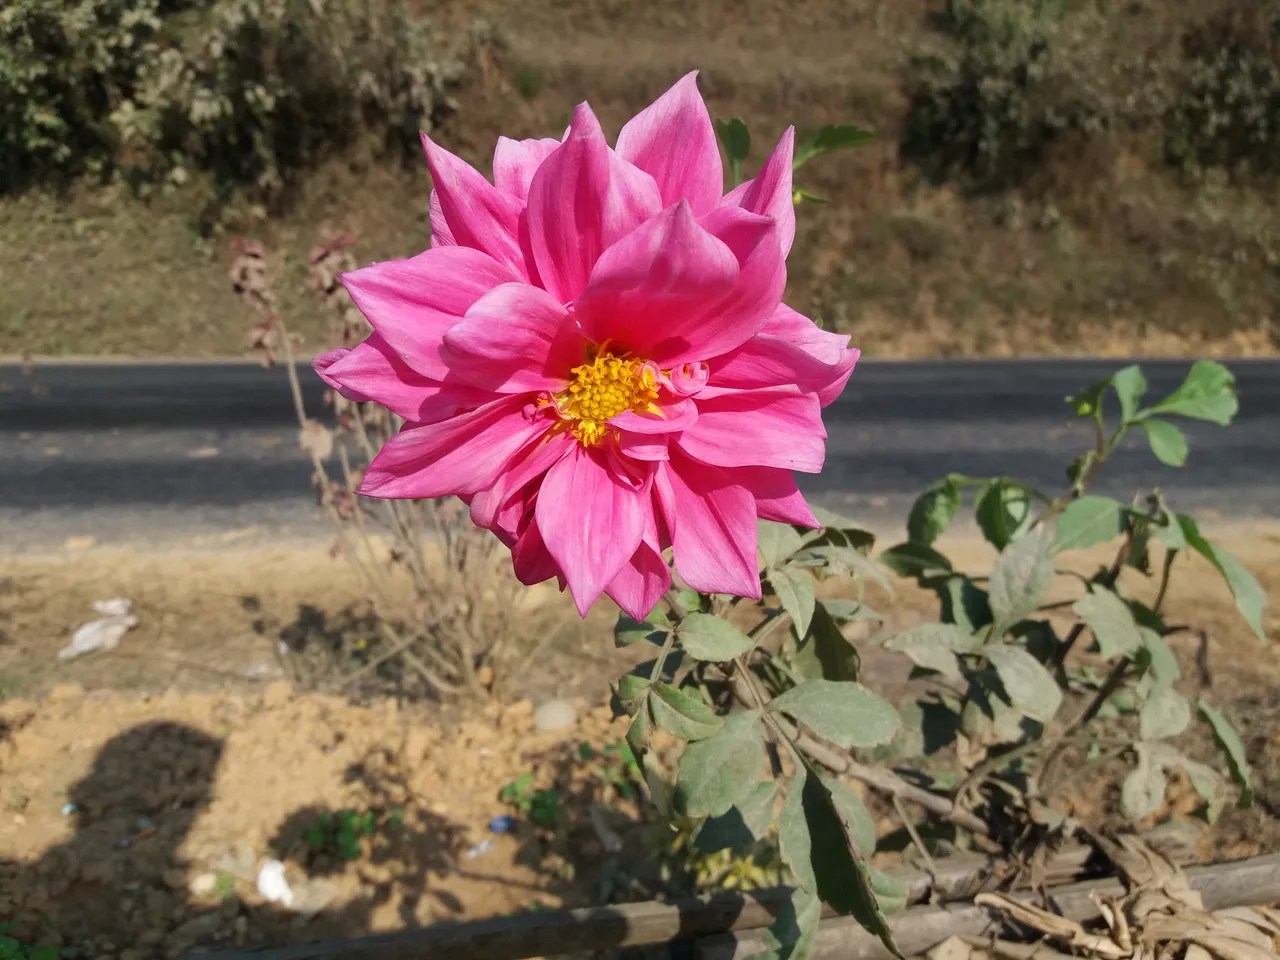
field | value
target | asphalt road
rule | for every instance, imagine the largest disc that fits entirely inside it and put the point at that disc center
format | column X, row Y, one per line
column 164, row 451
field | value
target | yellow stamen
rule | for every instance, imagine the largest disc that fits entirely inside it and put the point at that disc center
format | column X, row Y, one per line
column 602, row 388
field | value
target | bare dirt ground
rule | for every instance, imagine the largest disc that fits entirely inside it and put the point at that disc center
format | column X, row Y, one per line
column 140, row 790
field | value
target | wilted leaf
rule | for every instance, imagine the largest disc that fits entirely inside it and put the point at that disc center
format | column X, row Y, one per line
column 1004, row 512
column 1165, row 714
column 794, row 588
column 1088, row 521
column 1111, row 621
column 1208, row 393
column 776, row 541
column 1168, row 443
column 1020, row 578
column 1229, row 743
column 1129, row 385
column 682, row 714
column 1030, row 686
column 1143, row 789
column 933, row 511
column 707, row 637
column 846, row 713
column 1250, row 598
column 829, row 139
column 721, row 771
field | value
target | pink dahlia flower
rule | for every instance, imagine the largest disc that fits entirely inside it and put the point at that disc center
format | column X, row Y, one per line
column 594, row 355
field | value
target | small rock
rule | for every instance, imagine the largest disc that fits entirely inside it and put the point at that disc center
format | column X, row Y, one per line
column 62, row 692
column 203, row 885
column 555, row 715
column 277, row 694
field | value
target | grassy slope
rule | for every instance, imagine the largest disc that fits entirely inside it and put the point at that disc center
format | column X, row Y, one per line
column 1124, row 261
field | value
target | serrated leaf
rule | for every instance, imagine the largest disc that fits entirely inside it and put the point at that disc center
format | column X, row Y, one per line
column 931, row 646
column 1224, row 734
column 721, row 771
column 683, row 714
column 795, row 592
column 1164, row 665
column 1004, row 512
column 846, row 713
column 1020, row 579
column 829, row 139
column 933, row 511
column 776, row 541
column 825, row 652
column 1143, row 789
column 1089, row 521
column 1165, row 714
column 861, row 827
column 1031, row 687
column 1168, row 443
column 1250, row 598
column 1111, row 621
column 741, row 825
column 1129, row 385
column 707, row 637
column 794, row 927
column 1208, row 393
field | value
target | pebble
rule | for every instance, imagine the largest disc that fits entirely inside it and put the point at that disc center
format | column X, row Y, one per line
column 481, row 848
column 555, row 715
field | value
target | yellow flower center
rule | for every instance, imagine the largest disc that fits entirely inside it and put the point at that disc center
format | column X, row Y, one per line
column 602, row 388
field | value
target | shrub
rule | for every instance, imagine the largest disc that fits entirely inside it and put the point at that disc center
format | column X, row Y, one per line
column 245, row 90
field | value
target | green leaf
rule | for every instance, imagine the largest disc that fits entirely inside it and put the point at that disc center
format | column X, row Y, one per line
column 1129, row 385
column 742, row 825
column 1208, row 393
column 627, row 631
column 891, row 893
column 1250, row 598
column 1224, row 734
column 933, row 646
column 707, row 637
column 794, row 927
column 799, row 195
column 736, row 140
column 1165, row 714
column 829, row 139
column 776, row 541
column 682, row 714
column 641, row 728
column 849, row 611
column 795, row 592
column 1143, row 789
column 962, row 602
column 1031, row 687
column 1168, row 443
column 1088, row 403
column 850, row 532
column 721, row 771
column 933, row 511
column 795, row 844
column 1004, row 512
column 631, row 687
column 1088, row 521
column 915, row 560
column 1020, row 579
column 862, row 828
column 825, row 651
column 846, row 713
column 1164, row 665
column 43, row 953
column 1111, row 621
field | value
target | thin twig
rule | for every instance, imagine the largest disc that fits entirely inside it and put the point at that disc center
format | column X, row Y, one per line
column 929, row 865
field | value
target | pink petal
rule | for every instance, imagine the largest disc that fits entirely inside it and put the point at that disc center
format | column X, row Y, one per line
column 515, row 339
column 645, row 578
column 675, row 417
column 530, row 558
column 770, row 193
column 516, row 161
column 321, row 365
column 641, row 446
column 673, row 141
column 768, row 361
column 373, row 371
column 777, row 496
column 462, row 455
column 778, row 427
column 655, row 291
column 582, row 200
column 441, row 235
column 591, row 523
column 478, row 214
column 712, row 521
column 525, row 468
column 824, row 345
column 411, row 303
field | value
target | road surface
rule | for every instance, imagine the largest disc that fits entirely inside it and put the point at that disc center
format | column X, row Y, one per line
column 128, row 453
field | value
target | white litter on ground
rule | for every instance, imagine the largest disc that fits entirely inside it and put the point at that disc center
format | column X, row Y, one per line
column 102, row 634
